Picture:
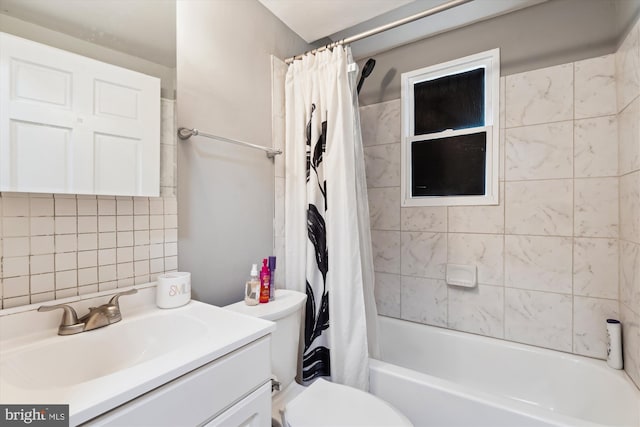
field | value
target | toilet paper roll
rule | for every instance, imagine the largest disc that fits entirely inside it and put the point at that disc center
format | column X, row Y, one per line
column 173, row 289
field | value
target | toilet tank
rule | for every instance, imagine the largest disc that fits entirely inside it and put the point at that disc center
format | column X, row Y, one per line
column 286, row 312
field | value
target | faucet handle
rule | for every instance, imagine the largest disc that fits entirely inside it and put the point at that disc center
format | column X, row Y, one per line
column 114, row 300
column 69, row 317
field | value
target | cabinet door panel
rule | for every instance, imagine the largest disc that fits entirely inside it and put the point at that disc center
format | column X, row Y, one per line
column 34, row 149
column 110, row 150
column 39, row 83
column 114, row 100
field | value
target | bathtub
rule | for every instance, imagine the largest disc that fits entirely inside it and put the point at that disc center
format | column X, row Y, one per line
column 438, row 377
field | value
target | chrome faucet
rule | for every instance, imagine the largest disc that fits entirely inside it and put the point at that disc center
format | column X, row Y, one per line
column 97, row 317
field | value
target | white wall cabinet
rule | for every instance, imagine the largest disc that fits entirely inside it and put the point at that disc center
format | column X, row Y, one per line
column 71, row 124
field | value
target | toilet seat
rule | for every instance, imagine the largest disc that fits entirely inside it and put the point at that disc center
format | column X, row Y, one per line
column 325, row 404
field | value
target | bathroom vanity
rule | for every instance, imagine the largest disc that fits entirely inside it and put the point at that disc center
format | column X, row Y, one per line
column 193, row 365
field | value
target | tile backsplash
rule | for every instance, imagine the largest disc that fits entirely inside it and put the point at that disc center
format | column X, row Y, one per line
column 55, row 246
column 550, row 255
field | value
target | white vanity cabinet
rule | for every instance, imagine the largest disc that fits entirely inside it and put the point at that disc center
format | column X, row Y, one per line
column 71, row 124
column 232, row 391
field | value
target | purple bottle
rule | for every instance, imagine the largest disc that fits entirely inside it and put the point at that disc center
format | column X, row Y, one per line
column 272, row 282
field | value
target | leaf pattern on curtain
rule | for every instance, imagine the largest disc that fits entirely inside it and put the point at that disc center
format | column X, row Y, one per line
column 316, row 360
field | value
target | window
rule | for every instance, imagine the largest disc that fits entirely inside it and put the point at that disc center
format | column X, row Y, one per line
column 450, row 138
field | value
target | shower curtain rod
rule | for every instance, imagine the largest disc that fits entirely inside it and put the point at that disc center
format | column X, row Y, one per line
column 382, row 28
column 185, row 133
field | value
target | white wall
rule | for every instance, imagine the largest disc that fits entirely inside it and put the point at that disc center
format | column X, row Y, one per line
column 226, row 192
column 34, row 32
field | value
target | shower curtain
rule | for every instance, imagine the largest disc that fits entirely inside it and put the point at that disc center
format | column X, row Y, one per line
column 328, row 242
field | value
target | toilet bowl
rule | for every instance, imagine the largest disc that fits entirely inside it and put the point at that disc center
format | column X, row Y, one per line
column 322, row 403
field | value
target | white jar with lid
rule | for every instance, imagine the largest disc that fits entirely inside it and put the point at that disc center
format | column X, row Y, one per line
column 173, row 289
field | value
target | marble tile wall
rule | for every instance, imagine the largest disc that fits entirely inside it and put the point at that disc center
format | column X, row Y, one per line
column 627, row 62
column 57, row 245
column 547, row 255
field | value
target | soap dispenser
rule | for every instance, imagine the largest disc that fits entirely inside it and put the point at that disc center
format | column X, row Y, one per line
column 252, row 287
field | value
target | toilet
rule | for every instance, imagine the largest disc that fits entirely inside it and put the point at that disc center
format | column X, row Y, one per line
column 323, row 403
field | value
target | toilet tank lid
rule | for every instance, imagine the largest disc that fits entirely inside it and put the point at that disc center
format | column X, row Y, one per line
column 285, row 303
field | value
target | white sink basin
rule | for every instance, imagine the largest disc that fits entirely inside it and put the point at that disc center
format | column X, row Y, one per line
column 99, row 370
column 71, row 360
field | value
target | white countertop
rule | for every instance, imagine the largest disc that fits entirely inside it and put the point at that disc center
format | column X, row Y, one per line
column 219, row 332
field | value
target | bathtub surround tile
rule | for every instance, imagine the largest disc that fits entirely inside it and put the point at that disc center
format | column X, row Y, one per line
column 631, row 340
column 542, row 151
column 540, row 96
column 380, row 123
column 539, row 263
column 595, row 147
column 630, row 274
column 565, row 253
column 596, row 207
column 484, row 251
column 629, row 138
column 382, row 165
column 423, row 254
column 539, row 207
column 630, row 207
column 595, row 87
column 589, row 329
column 384, row 208
column 479, row 310
column 539, row 318
column 428, row 218
column 627, row 65
column 386, row 251
column 387, row 294
column 424, row 300
column 595, row 268
column 478, row 219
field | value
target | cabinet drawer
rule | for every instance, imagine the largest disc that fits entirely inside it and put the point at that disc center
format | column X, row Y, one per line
column 199, row 395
